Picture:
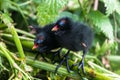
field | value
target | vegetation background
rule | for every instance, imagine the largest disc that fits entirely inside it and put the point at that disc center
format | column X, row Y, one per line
column 16, row 40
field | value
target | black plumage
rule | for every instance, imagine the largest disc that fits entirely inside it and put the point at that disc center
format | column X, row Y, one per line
column 73, row 36
column 45, row 40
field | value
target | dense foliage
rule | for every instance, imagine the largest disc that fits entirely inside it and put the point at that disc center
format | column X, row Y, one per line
column 16, row 39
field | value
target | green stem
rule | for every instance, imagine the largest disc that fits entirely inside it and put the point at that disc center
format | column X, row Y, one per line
column 49, row 67
column 91, row 74
column 8, row 21
column 26, row 42
column 114, row 58
column 25, row 3
column 7, row 54
column 104, row 71
column 25, row 33
column 11, row 61
column 17, row 41
column 20, row 37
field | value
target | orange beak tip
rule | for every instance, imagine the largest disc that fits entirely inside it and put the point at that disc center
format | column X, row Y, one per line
column 34, row 47
column 55, row 28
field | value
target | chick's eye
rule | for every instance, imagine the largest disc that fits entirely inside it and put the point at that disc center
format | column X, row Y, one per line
column 62, row 22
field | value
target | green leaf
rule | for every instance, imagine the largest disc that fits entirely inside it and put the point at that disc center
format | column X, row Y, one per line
column 111, row 6
column 48, row 10
column 4, row 4
column 103, row 23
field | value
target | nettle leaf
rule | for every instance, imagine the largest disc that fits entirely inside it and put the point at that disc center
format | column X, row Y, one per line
column 5, row 17
column 111, row 6
column 48, row 10
column 4, row 4
column 102, row 22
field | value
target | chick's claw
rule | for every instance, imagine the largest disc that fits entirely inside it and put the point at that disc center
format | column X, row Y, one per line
column 81, row 65
column 65, row 58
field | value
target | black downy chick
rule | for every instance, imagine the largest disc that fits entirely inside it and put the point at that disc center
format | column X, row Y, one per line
column 45, row 40
column 73, row 36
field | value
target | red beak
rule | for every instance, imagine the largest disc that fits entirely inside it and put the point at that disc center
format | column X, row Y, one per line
column 35, row 46
column 55, row 28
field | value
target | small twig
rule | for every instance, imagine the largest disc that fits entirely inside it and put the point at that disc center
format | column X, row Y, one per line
column 80, row 3
column 115, row 32
column 25, row 3
column 95, row 5
column 118, row 40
